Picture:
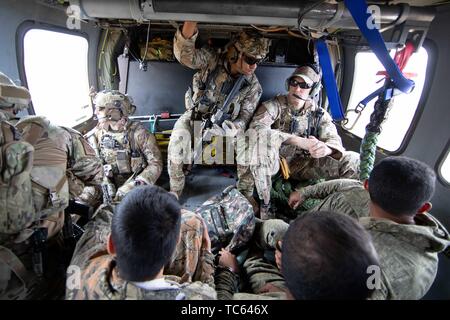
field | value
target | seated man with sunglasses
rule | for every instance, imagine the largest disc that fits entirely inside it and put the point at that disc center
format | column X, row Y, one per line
column 302, row 133
column 218, row 74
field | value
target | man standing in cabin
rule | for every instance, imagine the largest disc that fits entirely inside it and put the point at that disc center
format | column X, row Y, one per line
column 129, row 152
column 302, row 133
column 392, row 205
column 221, row 77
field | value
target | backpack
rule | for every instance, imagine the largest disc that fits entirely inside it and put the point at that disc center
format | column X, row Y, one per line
column 48, row 176
column 16, row 162
column 16, row 206
column 33, row 186
column 230, row 220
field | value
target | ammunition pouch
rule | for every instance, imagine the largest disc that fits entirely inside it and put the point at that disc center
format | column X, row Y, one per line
column 123, row 162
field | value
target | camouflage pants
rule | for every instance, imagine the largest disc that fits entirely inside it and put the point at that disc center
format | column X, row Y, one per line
column 258, row 157
column 301, row 168
column 186, row 260
column 262, row 273
column 179, row 151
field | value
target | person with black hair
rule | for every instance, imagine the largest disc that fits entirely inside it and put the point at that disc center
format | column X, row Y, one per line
column 299, row 131
column 124, row 255
column 327, row 255
column 321, row 255
column 393, row 206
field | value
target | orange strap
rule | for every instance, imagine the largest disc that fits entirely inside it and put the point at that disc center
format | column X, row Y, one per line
column 284, row 168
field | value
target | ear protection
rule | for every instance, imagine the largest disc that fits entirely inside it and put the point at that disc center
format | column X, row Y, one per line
column 315, row 89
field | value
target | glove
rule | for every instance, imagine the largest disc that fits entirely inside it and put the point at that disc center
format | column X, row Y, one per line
column 229, row 128
column 127, row 187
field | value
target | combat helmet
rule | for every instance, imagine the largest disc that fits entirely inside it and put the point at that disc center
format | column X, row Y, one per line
column 12, row 95
column 114, row 99
column 252, row 44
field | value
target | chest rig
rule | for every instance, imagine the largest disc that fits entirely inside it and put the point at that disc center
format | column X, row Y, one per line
column 119, row 151
column 213, row 87
column 303, row 123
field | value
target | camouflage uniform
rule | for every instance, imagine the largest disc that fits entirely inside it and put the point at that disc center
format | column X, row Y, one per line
column 78, row 161
column 408, row 254
column 208, row 83
column 276, row 114
column 130, row 152
column 191, row 262
column 99, row 277
column 346, row 196
column 62, row 162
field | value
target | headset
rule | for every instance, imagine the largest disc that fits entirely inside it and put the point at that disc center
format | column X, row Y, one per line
column 315, row 89
column 233, row 53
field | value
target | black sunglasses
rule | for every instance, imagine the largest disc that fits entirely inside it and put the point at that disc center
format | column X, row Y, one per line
column 250, row 60
column 302, row 85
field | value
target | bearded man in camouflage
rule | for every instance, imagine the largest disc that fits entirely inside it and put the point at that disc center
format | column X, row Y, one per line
column 297, row 129
column 129, row 152
column 216, row 76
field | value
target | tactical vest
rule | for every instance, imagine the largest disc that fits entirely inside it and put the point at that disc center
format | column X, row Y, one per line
column 119, row 149
column 303, row 123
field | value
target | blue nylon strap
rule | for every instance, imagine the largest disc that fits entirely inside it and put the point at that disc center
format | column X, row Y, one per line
column 370, row 97
column 359, row 11
column 329, row 81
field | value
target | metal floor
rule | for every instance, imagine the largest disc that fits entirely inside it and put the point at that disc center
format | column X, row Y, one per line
column 202, row 183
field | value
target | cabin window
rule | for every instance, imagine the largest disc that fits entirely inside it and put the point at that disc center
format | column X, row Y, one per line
column 401, row 114
column 444, row 170
column 56, row 69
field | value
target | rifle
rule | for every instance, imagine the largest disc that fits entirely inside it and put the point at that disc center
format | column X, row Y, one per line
column 72, row 232
column 39, row 244
column 218, row 114
column 108, row 188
